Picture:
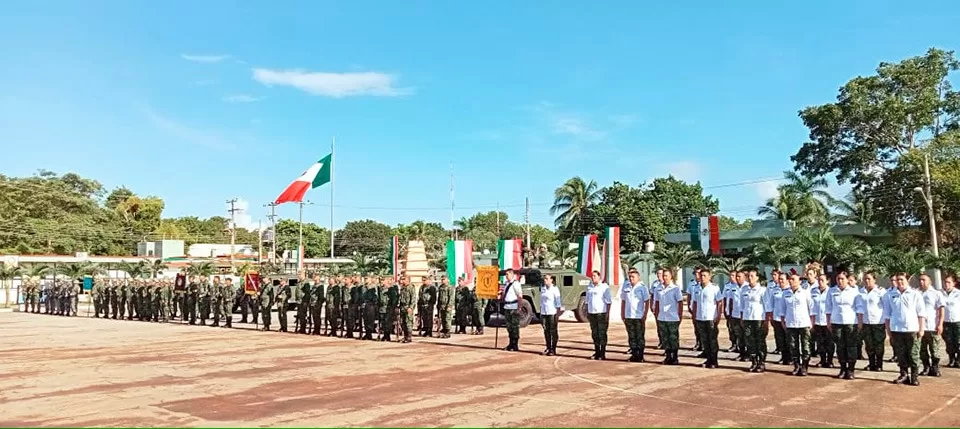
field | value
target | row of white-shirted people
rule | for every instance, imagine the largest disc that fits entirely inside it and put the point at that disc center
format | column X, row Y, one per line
column 807, row 316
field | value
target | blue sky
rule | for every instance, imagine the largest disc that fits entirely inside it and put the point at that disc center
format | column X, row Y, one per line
column 199, row 102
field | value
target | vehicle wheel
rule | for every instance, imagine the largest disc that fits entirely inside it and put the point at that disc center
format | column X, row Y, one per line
column 526, row 313
column 581, row 312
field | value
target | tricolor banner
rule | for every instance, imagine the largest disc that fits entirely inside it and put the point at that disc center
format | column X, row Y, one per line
column 395, row 257
column 705, row 234
column 612, row 268
column 318, row 174
column 588, row 255
column 509, row 256
column 459, row 260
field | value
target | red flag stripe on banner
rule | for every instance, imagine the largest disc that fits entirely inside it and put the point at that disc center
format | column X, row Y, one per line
column 714, row 235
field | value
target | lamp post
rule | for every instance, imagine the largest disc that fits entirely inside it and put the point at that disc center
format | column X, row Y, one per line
column 927, row 195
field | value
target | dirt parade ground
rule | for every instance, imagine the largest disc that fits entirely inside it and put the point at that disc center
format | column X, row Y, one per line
column 59, row 371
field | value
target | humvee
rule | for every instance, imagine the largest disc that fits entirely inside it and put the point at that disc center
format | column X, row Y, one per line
column 572, row 286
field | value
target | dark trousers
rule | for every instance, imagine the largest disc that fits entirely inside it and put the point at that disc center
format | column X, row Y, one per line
column 780, row 339
column 671, row 335
column 708, row 336
column 845, row 337
column 906, row 346
column 824, row 340
column 930, row 348
column 733, row 331
column 874, row 337
column 755, row 335
column 513, row 325
column 550, row 334
column 598, row 330
column 798, row 344
column 636, row 333
column 951, row 338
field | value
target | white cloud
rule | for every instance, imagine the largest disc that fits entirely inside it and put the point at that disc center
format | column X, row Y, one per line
column 209, row 59
column 336, row 85
column 688, row 171
column 766, row 189
column 186, row 133
column 242, row 217
column 241, row 98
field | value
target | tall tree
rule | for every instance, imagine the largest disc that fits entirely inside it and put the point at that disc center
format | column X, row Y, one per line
column 316, row 239
column 853, row 208
column 572, row 201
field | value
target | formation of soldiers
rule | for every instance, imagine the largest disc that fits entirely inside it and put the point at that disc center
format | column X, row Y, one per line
column 59, row 297
column 158, row 300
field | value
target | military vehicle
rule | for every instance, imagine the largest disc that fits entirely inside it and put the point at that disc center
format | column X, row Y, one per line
column 572, row 286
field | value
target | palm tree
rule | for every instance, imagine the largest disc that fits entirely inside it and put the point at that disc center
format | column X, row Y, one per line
column 572, row 201
column 39, row 271
column 817, row 245
column 726, row 266
column 133, row 270
column 631, row 260
column 203, row 269
column 78, row 269
column 676, row 257
column 801, row 199
column 854, row 208
column 366, row 263
column 774, row 252
column 854, row 254
column 8, row 273
column 560, row 251
column 156, row 267
column 949, row 260
column 895, row 260
column 244, row 269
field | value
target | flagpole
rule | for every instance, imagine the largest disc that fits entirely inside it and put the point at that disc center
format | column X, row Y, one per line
column 333, row 141
column 300, row 246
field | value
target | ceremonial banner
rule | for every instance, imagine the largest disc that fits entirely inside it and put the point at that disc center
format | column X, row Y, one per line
column 612, row 268
column 459, row 260
column 588, row 256
column 488, row 286
column 251, row 283
column 705, row 234
column 180, row 283
column 509, row 255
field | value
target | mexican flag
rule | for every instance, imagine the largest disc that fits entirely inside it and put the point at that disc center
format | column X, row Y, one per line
column 588, row 256
column 509, row 255
column 612, row 268
column 318, row 174
column 395, row 257
column 705, row 234
column 459, row 260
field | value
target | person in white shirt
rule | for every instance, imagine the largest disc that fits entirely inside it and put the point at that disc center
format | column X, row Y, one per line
column 669, row 311
column 853, row 284
column 512, row 294
column 598, row 314
column 872, row 331
column 821, row 332
column 933, row 315
column 903, row 316
column 951, row 320
column 634, row 305
column 706, row 306
column 551, row 307
column 842, row 321
column 812, row 285
column 737, row 313
column 729, row 292
column 655, row 289
column 796, row 315
column 779, row 331
column 754, row 305
column 693, row 288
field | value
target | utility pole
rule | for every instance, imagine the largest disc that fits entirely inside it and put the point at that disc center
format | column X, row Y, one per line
column 233, row 230
column 928, row 199
column 526, row 220
column 273, row 227
column 498, row 221
column 453, row 227
column 260, row 243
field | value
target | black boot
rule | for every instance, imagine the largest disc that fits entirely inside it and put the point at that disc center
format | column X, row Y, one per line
column 796, row 368
column 903, row 378
column 804, row 367
column 843, row 370
column 603, row 352
column 935, row 368
column 926, row 369
column 762, row 367
column 634, row 356
column 914, row 380
column 851, row 368
column 754, row 364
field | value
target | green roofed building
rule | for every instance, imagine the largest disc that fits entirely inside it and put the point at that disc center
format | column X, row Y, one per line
column 737, row 241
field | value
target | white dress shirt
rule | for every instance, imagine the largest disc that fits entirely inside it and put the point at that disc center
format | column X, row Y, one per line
column 655, row 289
column 871, row 305
column 903, row 310
column 754, row 302
column 841, row 306
column 932, row 301
column 512, row 294
column 634, row 299
column 670, row 298
column 951, row 304
column 706, row 299
column 598, row 298
column 820, row 305
column 796, row 308
column 550, row 301
column 776, row 296
column 729, row 295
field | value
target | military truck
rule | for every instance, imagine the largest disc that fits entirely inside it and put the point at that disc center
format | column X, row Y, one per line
column 572, row 286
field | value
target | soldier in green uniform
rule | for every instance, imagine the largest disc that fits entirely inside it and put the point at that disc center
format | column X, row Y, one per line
column 227, row 293
column 166, row 300
column 429, row 305
column 96, row 294
column 115, row 307
column 371, row 303
column 190, row 299
column 384, row 310
column 317, row 302
column 203, row 306
column 266, row 301
column 142, row 303
column 158, row 307
column 332, row 319
column 479, row 307
column 107, row 291
column 74, row 299
column 305, row 295
column 29, row 297
column 421, row 319
column 445, row 298
column 353, row 304
column 283, row 298
column 215, row 300
column 407, row 302
column 131, row 300
column 464, row 305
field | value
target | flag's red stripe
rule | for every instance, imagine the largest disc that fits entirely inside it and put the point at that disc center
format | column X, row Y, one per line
column 294, row 193
column 714, row 235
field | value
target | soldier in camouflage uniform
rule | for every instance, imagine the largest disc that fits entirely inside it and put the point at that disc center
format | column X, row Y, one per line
column 333, row 308
column 203, row 305
column 407, row 302
column 353, row 305
column 479, row 307
column 216, row 300
column 131, row 298
column 305, row 295
column 463, row 305
column 115, row 306
column 421, row 319
column 429, row 305
column 33, row 296
column 66, row 299
column 158, row 307
column 166, row 300
column 383, row 309
column 283, row 298
column 317, row 302
column 266, row 301
column 96, row 294
column 74, row 298
column 48, row 299
column 371, row 304
column 190, row 300
column 227, row 292
column 108, row 296
column 445, row 298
